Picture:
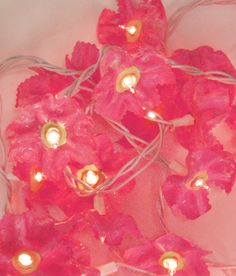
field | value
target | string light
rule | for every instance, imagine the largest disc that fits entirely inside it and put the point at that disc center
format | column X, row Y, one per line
column 26, row 262
column 90, row 176
column 132, row 30
column 172, row 262
column 36, row 179
column 128, row 79
column 53, row 135
column 198, row 181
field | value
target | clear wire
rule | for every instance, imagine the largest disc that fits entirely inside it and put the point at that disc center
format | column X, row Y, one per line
column 177, row 16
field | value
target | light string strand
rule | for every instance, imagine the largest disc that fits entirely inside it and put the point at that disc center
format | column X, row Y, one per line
column 176, row 18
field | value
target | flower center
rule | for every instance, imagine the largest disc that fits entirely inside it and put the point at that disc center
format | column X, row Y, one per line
column 36, row 179
column 53, row 135
column 91, row 176
column 26, row 262
column 199, row 181
column 132, row 30
column 128, row 79
column 172, row 262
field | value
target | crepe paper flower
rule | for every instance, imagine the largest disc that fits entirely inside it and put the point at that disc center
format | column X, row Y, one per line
column 40, row 191
column 83, row 55
column 168, row 255
column 110, row 158
column 33, row 89
column 206, row 59
column 31, row 245
column 112, row 227
column 50, row 134
column 137, row 23
column 131, row 82
column 140, row 126
column 207, row 170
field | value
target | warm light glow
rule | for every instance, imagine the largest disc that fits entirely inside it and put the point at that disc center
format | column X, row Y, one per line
column 53, row 135
column 91, row 176
column 151, row 115
column 172, row 262
column 199, row 181
column 38, row 176
column 128, row 79
column 129, row 82
column 171, row 265
column 25, row 259
column 131, row 29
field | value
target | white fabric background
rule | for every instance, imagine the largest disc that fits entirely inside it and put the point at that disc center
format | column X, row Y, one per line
column 49, row 29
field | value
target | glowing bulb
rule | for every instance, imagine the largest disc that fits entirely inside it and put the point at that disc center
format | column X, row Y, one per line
column 171, row 264
column 25, row 259
column 92, row 178
column 53, row 135
column 38, row 176
column 151, row 115
column 131, row 29
column 128, row 79
column 129, row 82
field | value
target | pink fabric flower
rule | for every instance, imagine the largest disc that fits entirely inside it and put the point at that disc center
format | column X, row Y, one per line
column 112, row 227
column 30, row 244
column 109, row 159
column 167, row 254
column 50, row 134
column 34, row 88
column 207, row 170
column 206, row 100
column 136, row 23
column 131, row 82
column 83, row 55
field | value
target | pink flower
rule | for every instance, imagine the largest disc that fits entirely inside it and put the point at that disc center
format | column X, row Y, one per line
column 50, row 134
column 83, row 55
column 34, row 88
column 30, row 244
column 208, row 101
column 170, row 255
column 136, row 23
column 207, row 170
column 109, row 159
column 131, row 82
column 112, row 227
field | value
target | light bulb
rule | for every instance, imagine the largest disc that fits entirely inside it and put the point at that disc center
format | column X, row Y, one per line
column 131, row 29
column 151, row 115
column 198, row 181
column 38, row 177
column 171, row 265
column 172, row 262
column 53, row 135
column 129, row 82
column 128, row 79
column 91, row 177
column 25, row 259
